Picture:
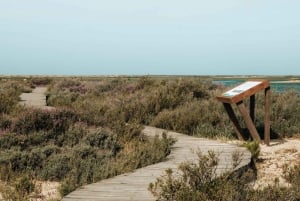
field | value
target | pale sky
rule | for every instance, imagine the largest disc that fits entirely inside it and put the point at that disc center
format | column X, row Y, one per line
column 190, row 37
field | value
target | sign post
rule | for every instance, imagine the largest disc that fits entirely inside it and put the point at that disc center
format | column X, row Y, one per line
column 237, row 96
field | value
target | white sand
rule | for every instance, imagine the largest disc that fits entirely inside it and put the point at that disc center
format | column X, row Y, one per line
column 50, row 190
column 47, row 191
column 273, row 158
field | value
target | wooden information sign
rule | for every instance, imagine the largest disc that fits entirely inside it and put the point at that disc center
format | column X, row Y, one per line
column 236, row 96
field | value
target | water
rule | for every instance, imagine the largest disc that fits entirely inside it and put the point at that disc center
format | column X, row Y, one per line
column 279, row 87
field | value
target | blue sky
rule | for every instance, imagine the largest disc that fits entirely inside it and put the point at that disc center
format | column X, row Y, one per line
column 194, row 37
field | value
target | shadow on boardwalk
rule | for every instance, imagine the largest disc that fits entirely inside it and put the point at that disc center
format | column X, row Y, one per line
column 134, row 186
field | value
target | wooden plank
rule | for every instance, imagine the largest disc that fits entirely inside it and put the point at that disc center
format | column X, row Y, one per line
column 248, row 121
column 234, row 120
column 244, row 94
column 134, row 186
column 36, row 98
column 252, row 107
column 267, row 115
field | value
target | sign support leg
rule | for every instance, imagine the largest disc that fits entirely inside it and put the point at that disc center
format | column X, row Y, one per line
column 252, row 107
column 234, row 120
column 248, row 121
column 267, row 116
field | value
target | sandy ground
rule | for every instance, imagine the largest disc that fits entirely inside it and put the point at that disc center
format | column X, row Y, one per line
column 49, row 190
column 273, row 158
column 287, row 81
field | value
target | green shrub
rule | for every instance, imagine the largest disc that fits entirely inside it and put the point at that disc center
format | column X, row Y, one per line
column 24, row 187
column 199, row 182
column 143, row 152
column 38, row 81
column 36, row 120
column 62, row 99
column 83, row 151
column 48, row 150
column 5, row 122
column 8, row 141
column 68, row 83
column 103, row 139
column 71, row 137
column 274, row 193
column 254, row 149
column 17, row 160
column 292, row 174
column 7, row 103
column 20, row 191
column 23, row 161
column 66, row 187
column 9, row 95
column 286, row 115
column 56, row 167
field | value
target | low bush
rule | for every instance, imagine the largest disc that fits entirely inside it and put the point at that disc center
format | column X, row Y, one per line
column 103, row 139
column 199, row 182
column 285, row 114
column 7, row 103
column 21, row 191
column 56, row 167
column 254, row 149
column 10, row 91
column 141, row 153
column 292, row 174
column 35, row 120
column 41, row 81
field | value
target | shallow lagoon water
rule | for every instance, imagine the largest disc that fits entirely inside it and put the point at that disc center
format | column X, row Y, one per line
column 276, row 86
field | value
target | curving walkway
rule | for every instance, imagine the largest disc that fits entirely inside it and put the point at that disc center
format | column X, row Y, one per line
column 134, row 186
column 36, row 98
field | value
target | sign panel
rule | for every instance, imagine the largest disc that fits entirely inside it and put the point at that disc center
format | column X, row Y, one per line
column 241, row 88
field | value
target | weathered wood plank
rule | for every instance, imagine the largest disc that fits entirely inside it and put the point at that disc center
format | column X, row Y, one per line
column 248, row 120
column 36, row 98
column 234, row 120
column 134, row 186
column 241, row 95
column 252, row 107
column 267, row 116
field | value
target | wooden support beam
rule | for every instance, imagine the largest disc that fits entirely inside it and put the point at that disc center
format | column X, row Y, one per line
column 267, row 116
column 237, row 95
column 234, row 120
column 252, row 107
column 249, row 122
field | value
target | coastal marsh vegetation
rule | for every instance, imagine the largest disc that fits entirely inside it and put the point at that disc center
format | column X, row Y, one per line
column 198, row 181
column 95, row 130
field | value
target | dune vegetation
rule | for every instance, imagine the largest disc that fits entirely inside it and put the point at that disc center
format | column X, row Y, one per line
column 198, row 181
column 94, row 132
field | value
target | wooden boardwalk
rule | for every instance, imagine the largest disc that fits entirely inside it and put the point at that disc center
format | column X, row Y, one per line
column 36, row 98
column 134, row 186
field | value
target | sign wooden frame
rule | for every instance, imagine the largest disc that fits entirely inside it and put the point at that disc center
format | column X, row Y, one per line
column 237, row 96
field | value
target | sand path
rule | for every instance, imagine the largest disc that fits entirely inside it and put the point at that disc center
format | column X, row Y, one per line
column 272, row 160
